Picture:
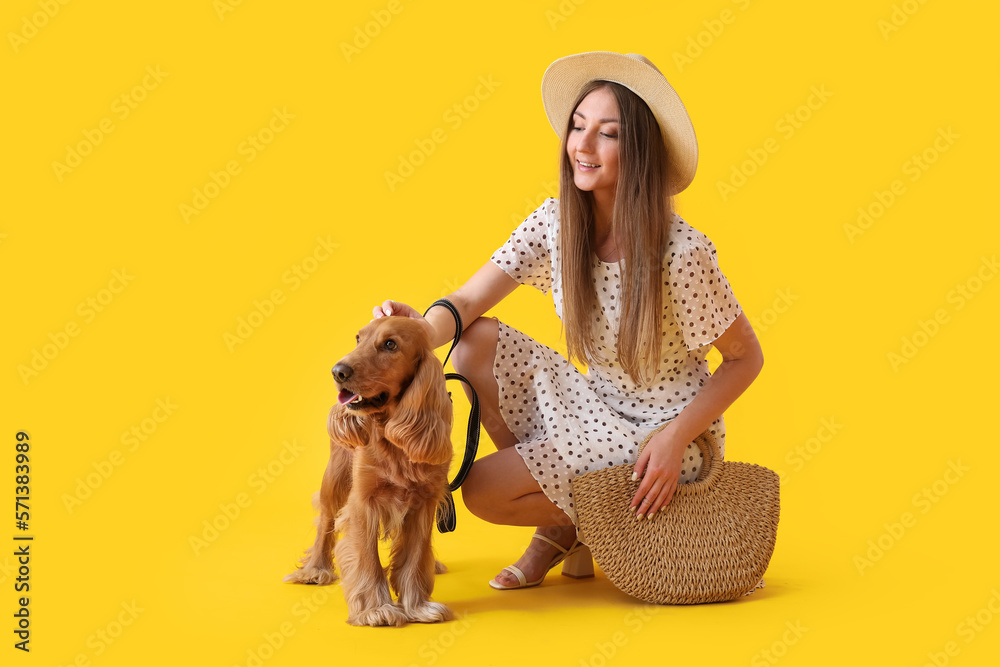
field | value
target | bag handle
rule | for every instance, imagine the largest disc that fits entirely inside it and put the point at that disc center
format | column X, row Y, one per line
column 710, row 469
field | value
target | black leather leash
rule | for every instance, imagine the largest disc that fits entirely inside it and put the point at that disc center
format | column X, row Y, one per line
column 446, row 518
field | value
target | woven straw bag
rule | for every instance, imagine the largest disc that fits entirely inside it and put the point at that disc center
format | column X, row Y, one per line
column 712, row 543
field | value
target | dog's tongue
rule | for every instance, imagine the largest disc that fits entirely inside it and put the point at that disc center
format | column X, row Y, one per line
column 345, row 397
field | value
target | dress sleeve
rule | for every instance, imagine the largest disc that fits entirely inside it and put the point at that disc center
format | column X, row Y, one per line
column 525, row 256
column 703, row 302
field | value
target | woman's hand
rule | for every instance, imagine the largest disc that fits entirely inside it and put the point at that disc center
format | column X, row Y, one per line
column 659, row 468
column 398, row 309
column 395, row 308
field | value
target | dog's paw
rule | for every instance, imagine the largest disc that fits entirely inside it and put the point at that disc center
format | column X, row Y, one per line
column 429, row 612
column 387, row 614
column 312, row 575
column 439, row 567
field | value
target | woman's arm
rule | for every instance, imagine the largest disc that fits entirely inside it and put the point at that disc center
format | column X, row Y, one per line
column 485, row 289
column 660, row 462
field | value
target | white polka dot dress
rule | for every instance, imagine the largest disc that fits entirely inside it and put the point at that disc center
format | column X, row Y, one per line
column 568, row 423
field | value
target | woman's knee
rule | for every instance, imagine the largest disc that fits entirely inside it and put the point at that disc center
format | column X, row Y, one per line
column 477, row 495
column 476, row 351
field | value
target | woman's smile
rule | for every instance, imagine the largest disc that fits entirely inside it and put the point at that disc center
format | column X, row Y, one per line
column 592, row 144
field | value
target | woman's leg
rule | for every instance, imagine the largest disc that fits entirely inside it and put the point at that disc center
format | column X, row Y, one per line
column 474, row 357
column 500, row 488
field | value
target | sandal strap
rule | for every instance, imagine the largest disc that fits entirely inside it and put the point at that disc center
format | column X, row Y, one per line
column 516, row 571
column 538, row 536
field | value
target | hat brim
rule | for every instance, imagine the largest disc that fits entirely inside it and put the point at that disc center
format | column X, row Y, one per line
column 565, row 77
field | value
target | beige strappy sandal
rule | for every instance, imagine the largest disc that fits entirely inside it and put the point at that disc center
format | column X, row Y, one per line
column 577, row 563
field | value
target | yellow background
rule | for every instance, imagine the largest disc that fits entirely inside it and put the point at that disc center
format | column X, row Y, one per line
column 830, row 308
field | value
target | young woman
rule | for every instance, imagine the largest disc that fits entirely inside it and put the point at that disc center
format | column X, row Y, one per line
column 641, row 298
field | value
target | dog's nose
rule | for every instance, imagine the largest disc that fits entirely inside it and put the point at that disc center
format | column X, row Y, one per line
column 342, row 372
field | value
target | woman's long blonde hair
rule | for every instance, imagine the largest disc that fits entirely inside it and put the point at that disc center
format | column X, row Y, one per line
column 639, row 223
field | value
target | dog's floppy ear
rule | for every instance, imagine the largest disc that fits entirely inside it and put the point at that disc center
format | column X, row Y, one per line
column 346, row 429
column 421, row 423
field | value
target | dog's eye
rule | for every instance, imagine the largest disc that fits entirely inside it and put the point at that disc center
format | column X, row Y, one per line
column 357, row 338
column 390, row 345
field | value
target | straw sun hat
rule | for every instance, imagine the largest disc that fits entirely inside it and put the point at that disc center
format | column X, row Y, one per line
column 565, row 77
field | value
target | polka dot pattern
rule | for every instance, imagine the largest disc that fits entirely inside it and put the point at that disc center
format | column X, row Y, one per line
column 526, row 256
column 568, row 423
column 703, row 303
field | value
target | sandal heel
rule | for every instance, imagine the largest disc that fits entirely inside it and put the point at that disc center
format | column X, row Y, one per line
column 580, row 564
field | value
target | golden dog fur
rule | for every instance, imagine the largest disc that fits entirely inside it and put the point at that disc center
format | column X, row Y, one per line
column 390, row 450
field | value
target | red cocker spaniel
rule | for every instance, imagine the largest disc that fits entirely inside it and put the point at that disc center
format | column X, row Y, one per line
column 390, row 450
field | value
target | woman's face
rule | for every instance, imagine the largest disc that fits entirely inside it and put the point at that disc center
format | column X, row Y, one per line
column 592, row 144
